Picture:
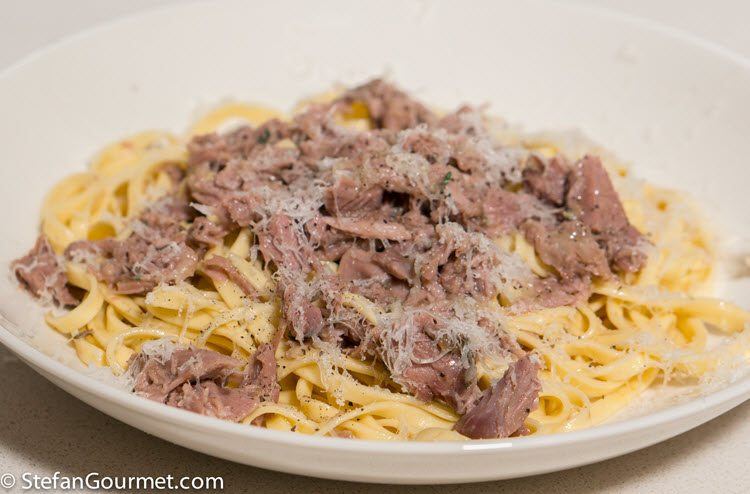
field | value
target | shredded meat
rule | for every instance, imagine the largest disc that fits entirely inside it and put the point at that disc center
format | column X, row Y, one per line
column 155, row 252
column 279, row 242
column 395, row 263
column 204, row 231
column 502, row 409
column 196, row 380
column 40, row 273
column 445, row 378
column 220, row 269
column 305, row 319
column 358, row 264
column 261, row 373
column 547, row 181
column 569, row 247
column 395, row 183
column 415, row 213
column 156, row 379
column 349, row 197
column 594, row 200
column 388, row 107
column 375, row 228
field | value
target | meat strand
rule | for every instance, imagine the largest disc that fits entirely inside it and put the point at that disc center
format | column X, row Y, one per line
column 503, row 408
column 220, row 269
column 41, row 273
column 593, row 199
column 196, row 380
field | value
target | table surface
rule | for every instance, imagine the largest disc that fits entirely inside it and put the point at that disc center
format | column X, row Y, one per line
column 44, row 430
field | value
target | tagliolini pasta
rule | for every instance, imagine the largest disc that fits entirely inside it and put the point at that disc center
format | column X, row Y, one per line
column 597, row 356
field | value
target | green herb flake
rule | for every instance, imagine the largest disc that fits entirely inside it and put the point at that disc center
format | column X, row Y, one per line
column 264, row 137
column 446, row 180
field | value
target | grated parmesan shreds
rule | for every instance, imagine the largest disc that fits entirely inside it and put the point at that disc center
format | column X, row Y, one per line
column 332, row 365
column 502, row 163
column 160, row 349
column 45, row 297
column 301, row 205
column 459, row 329
column 125, row 381
column 166, row 255
column 203, row 209
column 463, row 327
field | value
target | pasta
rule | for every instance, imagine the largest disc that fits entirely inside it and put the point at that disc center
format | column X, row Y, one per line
column 596, row 354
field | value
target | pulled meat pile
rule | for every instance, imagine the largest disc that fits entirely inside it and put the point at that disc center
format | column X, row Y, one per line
column 404, row 214
column 196, row 380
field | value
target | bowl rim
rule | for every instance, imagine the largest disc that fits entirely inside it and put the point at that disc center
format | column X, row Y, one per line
column 28, row 353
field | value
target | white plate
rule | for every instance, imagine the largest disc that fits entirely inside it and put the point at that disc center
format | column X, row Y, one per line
column 677, row 107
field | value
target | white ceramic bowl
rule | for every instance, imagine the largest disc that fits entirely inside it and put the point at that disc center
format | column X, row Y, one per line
column 674, row 106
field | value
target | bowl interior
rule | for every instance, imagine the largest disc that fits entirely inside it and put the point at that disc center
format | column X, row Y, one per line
column 675, row 110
